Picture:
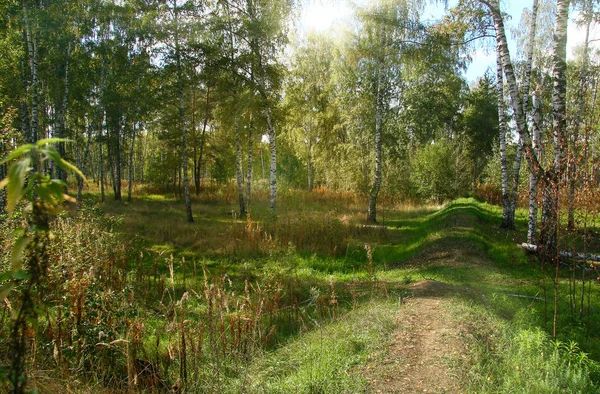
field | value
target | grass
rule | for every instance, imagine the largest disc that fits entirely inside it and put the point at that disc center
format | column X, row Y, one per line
column 296, row 303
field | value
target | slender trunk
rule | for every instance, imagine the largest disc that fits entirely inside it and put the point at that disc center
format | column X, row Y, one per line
column 83, row 164
column 202, row 140
column 33, row 88
column 549, row 233
column 533, row 180
column 238, row 169
column 131, row 151
column 506, row 222
column 515, row 184
column 195, row 145
column 134, row 131
column 186, row 186
column 110, row 157
column 309, row 166
column 262, row 162
column 117, row 157
column 101, row 156
column 250, row 165
column 529, row 64
column 61, row 116
column 577, row 120
column 513, row 88
column 526, row 85
column 372, row 210
column 273, row 167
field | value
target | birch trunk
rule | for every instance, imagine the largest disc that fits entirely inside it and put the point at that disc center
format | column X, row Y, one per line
column 131, row 152
column 310, row 166
column 372, row 210
column 577, row 119
column 533, row 180
column 513, row 88
column 198, row 166
column 273, row 167
column 515, row 185
column 551, row 188
column 33, row 87
column 526, row 85
column 101, row 157
column 132, row 148
column 238, row 169
column 249, row 165
column 548, row 232
column 83, row 164
column 502, row 139
column 61, row 116
column 186, row 185
column 117, row 159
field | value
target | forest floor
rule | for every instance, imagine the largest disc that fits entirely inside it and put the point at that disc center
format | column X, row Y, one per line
column 432, row 300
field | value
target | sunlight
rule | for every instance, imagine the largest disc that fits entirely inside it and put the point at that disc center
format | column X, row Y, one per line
column 320, row 15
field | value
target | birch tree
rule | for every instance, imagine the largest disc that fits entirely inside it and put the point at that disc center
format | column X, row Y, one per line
column 550, row 176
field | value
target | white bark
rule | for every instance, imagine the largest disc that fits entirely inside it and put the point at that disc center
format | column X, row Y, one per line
column 379, row 113
column 565, row 255
column 238, row 169
column 273, row 168
column 533, row 180
column 249, row 166
column 186, row 182
column 577, row 119
column 502, row 140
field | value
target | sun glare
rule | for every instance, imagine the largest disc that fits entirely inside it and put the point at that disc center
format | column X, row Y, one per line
column 322, row 15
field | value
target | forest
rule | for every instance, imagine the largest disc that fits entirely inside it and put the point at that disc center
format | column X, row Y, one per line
column 212, row 197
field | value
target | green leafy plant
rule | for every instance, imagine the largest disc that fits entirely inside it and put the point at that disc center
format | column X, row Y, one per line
column 45, row 196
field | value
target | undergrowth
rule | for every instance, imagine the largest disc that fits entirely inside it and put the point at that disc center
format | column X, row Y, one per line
column 136, row 300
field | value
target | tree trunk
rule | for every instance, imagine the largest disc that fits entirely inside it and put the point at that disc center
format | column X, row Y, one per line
column 33, row 88
column 273, row 168
column 533, row 180
column 515, row 185
column 577, row 119
column 238, row 169
column 506, row 222
column 134, row 131
column 101, row 156
column 202, row 141
column 117, row 157
column 309, row 166
column 131, row 151
column 372, row 210
column 186, row 186
column 83, row 164
column 250, row 166
column 61, row 116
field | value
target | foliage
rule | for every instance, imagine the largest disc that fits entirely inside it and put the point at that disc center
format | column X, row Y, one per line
column 440, row 171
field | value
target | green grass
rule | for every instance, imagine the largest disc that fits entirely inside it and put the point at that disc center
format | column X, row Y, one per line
column 318, row 304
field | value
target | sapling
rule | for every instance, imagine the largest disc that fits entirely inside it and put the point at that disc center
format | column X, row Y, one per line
column 45, row 196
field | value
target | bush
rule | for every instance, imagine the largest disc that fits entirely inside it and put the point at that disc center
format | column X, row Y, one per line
column 441, row 171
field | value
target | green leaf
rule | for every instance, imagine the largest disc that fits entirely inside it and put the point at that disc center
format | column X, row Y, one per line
column 3, row 183
column 21, row 274
column 16, row 179
column 20, row 245
column 5, row 291
column 20, row 151
column 52, row 153
column 47, row 141
column 5, row 276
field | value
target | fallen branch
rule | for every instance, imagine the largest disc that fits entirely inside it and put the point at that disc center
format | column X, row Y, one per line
column 566, row 255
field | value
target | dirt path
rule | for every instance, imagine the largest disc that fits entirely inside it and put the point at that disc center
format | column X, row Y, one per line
column 425, row 344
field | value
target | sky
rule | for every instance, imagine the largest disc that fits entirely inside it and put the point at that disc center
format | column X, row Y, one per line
column 321, row 15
